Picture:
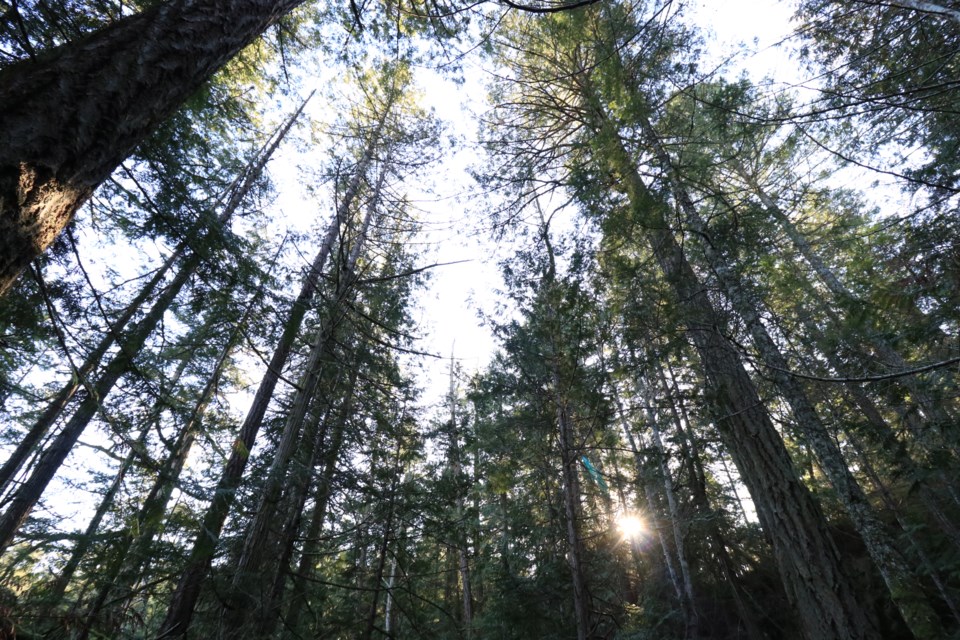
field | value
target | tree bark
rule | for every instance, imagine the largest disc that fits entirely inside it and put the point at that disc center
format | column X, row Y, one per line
column 571, row 508
column 569, row 458
column 454, row 460
column 903, row 587
column 270, row 609
column 809, row 563
column 56, row 407
column 691, row 452
column 59, row 586
column 133, row 554
column 27, row 495
column 311, row 543
column 180, row 610
column 384, row 546
column 74, row 113
column 907, row 529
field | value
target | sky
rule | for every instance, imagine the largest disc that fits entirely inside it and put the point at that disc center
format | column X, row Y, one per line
column 743, row 36
column 742, row 33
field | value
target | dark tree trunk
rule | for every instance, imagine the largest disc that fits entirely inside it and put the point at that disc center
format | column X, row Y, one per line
column 133, row 553
column 808, row 560
column 652, row 510
column 30, row 491
column 934, row 409
column 59, row 586
column 27, row 495
column 454, row 455
column 571, row 508
column 902, row 586
column 384, row 546
column 569, row 451
column 180, row 610
column 74, row 113
column 689, row 600
column 907, row 530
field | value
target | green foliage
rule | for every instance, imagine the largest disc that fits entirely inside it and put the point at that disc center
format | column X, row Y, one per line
column 408, row 508
column 889, row 65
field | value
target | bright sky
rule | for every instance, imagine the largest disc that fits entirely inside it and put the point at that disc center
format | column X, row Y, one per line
column 742, row 33
column 448, row 308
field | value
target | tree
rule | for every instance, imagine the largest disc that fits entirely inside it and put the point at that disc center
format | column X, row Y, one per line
column 120, row 83
column 591, row 102
column 690, row 308
column 887, row 72
column 188, row 259
column 29, row 492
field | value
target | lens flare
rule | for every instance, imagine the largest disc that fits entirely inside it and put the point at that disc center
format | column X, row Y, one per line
column 631, row 526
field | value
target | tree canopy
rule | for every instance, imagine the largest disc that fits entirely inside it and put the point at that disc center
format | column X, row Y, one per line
column 724, row 398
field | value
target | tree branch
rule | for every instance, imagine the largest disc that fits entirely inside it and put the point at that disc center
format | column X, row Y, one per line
column 877, row 378
column 550, row 9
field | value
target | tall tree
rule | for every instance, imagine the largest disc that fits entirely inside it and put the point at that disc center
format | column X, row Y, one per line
column 579, row 68
column 184, row 256
column 108, row 90
column 28, row 493
column 104, row 93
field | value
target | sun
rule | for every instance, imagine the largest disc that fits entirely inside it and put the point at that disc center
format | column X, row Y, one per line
column 631, row 526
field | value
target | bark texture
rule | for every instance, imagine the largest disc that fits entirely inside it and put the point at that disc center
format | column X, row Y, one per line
column 904, row 588
column 808, row 560
column 73, row 114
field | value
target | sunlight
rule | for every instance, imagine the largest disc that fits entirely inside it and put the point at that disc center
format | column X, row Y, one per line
column 631, row 526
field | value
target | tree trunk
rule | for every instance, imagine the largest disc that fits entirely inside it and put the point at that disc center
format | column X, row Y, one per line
column 898, row 455
column 808, row 560
column 691, row 451
column 569, row 457
column 902, row 585
column 278, row 552
column 74, row 113
column 133, row 554
column 250, row 565
column 388, row 606
column 571, row 507
column 907, row 530
column 59, row 586
column 180, row 610
column 454, row 460
column 27, row 495
column 56, row 407
column 384, row 547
